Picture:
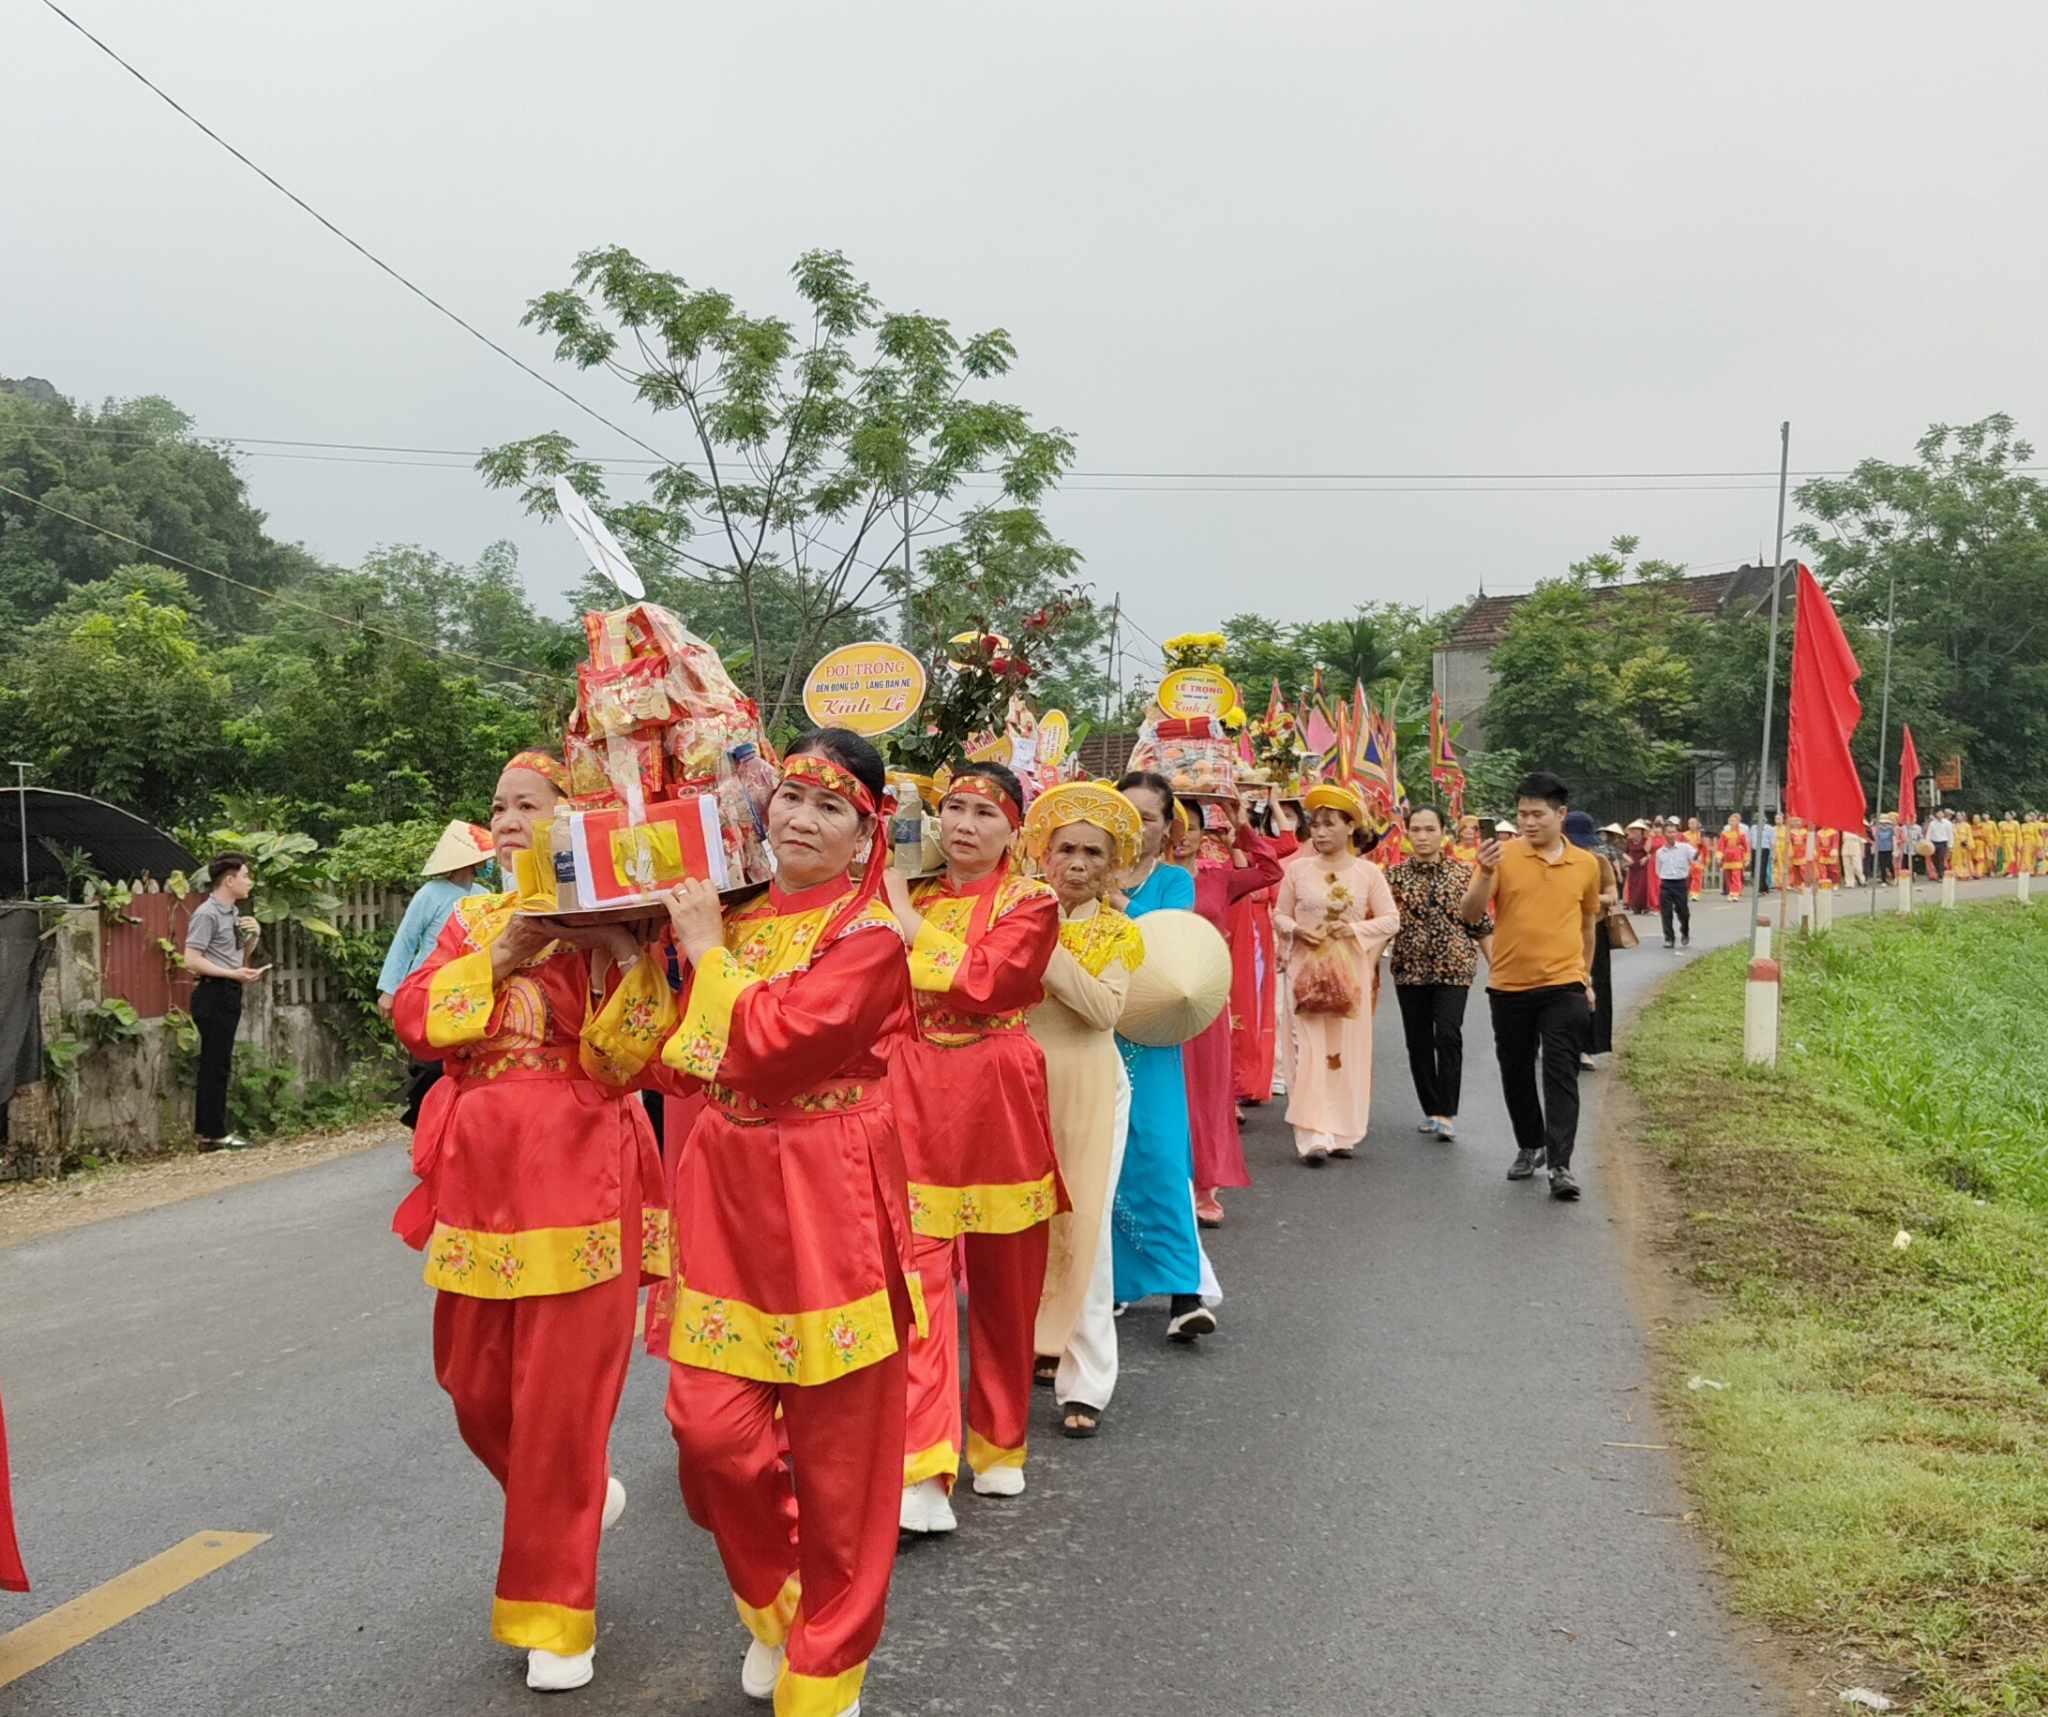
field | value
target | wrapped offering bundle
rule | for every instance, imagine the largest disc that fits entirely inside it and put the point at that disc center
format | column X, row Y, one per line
column 669, row 774
column 1195, row 753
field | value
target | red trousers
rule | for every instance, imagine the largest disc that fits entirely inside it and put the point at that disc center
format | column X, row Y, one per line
column 13, row 1576
column 808, row 1553
column 536, row 1384
column 1005, row 1279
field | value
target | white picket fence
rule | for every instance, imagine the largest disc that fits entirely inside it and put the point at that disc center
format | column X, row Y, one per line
column 299, row 977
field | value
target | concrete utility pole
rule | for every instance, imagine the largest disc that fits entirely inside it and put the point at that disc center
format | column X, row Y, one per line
column 21, row 786
column 1760, row 1014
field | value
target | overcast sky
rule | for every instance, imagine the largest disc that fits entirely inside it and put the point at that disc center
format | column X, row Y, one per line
column 1559, row 237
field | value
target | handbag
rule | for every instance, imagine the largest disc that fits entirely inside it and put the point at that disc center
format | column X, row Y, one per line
column 1327, row 982
column 1620, row 932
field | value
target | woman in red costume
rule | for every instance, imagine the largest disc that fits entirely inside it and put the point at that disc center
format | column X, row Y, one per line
column 977, row 1133
column 1254, row 988
column 13, row 1576
column 1225, row 872
column 530, row 1212
column 794, row 1287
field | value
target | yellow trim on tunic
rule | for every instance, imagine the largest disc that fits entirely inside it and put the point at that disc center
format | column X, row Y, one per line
column 771, row 1625
column 699, row 1045
column 657, row 1242
column 536, row 1626
column 631, row 1026
column 715, row 1333
column 983, row 1456
column 1102, row 939
column 798, row 1695
column 460, row 998
column 942, row 1212
column 523, row 1265
column 936, row 955
column 940, row 1461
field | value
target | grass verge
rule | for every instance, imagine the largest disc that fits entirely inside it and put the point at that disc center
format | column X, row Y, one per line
column 1876, row 1467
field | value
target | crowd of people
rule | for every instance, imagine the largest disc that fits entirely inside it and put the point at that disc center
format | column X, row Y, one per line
column 877, row 1087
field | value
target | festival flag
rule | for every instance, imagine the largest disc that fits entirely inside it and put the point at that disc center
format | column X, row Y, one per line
column 1909, row 779
column 1317, row 733
column 1444, row 768
column 1821, row 783
column 1345, row 759
column 1276, row 706
column 1374, row 776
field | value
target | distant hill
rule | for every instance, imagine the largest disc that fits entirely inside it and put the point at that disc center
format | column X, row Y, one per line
column 31, row 387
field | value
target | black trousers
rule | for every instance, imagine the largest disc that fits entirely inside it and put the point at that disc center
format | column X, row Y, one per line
column 1938, row 866
column 425, row 1076
column 1600, row 1032
column 217, row 1012
column 1673, row 896
column 1552, row 1023
column 1433, row 1021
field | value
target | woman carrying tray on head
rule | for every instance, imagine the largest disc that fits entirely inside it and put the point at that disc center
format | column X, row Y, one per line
column 793, row 1288
column 530, row 1208
column 969, row 1082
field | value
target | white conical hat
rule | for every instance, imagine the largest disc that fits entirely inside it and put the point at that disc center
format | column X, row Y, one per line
column 1183, row 983
column 460, row 846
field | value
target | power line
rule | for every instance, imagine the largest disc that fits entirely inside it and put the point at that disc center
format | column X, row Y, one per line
column 622, row 460
column 279, row 596
column 368, row 255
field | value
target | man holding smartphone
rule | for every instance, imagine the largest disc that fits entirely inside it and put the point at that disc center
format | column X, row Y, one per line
column 215, row 956
column 1545, row 895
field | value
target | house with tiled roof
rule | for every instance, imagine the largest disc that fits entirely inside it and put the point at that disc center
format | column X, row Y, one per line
column 1464, row 661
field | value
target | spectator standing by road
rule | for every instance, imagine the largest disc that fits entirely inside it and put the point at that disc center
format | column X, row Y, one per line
column 1766, row 850
column 1887, row 833
column 1579, row 830
column 1942, row 833
column 1674, row 885
column 450, row 870
column 216, row 954
column 1545, row 896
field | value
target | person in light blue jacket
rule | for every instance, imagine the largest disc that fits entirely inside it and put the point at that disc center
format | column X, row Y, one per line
column 451, row 871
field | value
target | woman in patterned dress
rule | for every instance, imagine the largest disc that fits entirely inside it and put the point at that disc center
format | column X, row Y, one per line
column 1435, row 957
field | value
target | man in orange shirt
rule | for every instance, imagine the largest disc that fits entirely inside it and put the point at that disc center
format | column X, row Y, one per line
column 1545, row 896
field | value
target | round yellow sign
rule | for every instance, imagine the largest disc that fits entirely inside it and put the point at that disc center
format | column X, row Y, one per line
column 1190, row 692
column 1054, row 735
column 871, row 688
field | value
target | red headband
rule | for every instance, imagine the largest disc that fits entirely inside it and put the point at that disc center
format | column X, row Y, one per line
column 815, row 769
column 986, row 787
column 542, row 765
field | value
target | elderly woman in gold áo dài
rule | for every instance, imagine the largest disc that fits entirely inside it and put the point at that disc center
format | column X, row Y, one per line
column 1082, row 836
column 1330, row 898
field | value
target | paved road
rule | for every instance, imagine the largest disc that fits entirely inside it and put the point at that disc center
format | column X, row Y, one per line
column 1385, row 1487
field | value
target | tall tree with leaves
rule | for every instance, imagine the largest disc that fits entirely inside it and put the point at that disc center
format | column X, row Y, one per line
column 1962, row 536
column 815, row 452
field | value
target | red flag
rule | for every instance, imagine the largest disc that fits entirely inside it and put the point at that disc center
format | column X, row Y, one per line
column 1821, row 783
column 1909, row 779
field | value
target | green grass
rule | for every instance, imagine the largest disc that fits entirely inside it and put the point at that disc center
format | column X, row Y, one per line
column 1877, row 1468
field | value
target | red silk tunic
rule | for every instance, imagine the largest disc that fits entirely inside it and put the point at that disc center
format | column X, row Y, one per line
column 789, row 1207
column 969, row 1082
column 520, row 1148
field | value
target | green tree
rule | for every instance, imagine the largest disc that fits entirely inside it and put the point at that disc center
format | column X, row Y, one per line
column 133, row 467
column 1962, row 535
column 115, row 695
column 816, row 453
column 1593, row 679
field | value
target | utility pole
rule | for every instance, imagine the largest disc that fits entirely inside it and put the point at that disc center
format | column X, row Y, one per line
column 1884, row 715
column 1763, row 774
column 21, row 786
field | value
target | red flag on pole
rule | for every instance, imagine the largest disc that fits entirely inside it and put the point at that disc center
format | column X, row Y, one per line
column 1909, row 779
column 1821, row 783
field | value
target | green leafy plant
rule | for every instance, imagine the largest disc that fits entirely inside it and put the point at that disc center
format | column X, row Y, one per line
column 289, row 884
column 61, row 1056
column 110, row 1021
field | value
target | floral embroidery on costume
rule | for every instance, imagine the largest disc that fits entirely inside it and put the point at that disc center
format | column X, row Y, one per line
column 596, row 1255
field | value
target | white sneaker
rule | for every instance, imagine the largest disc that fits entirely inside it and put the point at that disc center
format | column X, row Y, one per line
column 761, row 1671
column 1000, row 1481
column 614, row 1503
column 926, row 1508
column 550, row 1672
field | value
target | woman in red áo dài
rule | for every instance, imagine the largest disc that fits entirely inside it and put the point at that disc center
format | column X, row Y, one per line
column 530, row 1211
column 794, row 1289
column 969, row 1083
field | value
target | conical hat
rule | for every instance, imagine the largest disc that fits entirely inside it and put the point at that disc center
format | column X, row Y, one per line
column 460, row 846
column 1182, row 984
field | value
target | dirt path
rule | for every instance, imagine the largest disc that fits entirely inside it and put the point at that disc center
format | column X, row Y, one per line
column 29, row 1210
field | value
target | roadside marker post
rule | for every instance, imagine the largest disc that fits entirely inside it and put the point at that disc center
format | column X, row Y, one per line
column 1948, row 889
column 1760, row 938
column 1905, row 891
column 2026, row 892
column 1760, row 1014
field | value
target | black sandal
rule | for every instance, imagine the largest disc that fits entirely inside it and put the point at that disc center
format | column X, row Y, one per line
column 1090, row 1419
column 1043, row 1371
